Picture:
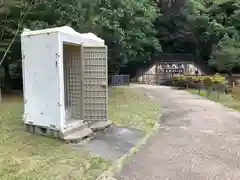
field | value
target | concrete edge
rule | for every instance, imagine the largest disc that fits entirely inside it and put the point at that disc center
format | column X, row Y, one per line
column 117, row 165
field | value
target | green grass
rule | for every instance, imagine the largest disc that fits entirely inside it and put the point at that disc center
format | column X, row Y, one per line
column 130, row 107
column 25, row 156
column 225, row 99
column 32, row 157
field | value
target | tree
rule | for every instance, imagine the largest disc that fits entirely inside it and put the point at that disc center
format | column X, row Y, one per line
column 226, row 55
column 133, row 30
column 128, row 28
column 194, row 26
column 12, row 16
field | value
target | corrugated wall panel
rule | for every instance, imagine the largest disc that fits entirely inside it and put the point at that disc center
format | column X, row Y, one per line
column 41, row 79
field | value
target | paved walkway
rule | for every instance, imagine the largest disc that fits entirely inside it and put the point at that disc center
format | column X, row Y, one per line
column 198, row 140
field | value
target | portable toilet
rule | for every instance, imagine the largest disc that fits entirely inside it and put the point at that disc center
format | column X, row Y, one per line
column 65, row 82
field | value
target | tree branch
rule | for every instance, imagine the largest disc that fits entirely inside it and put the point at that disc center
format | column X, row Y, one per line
column 22, row 17
column 5, row 22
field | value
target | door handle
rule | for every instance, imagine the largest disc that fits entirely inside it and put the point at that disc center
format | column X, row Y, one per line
column 103, row 85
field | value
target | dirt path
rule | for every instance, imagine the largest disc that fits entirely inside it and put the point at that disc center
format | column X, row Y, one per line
column 198, row 140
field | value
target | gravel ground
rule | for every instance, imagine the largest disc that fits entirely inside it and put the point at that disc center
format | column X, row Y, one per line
column 198, row 140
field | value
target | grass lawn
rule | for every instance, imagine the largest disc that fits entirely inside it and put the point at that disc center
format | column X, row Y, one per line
column 25, row 156
column 130, row 107
column 226, row 99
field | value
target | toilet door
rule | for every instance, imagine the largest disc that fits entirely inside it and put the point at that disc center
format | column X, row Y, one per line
column 95, row 92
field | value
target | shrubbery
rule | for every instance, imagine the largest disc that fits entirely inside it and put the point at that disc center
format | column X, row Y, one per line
column 216, row 79
column 210, row 83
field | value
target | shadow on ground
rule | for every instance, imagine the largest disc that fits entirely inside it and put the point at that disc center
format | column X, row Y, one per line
column 114, row 143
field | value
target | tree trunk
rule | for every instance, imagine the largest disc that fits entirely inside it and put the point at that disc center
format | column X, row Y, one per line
column 0, row 94
column 230, row 79
column 7, row 78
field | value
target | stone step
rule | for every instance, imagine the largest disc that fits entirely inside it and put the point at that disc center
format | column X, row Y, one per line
column 75, row 128
column 99, row 126
column 78, row 135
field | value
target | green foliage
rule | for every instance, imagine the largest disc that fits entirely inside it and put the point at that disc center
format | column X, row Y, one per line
column 115, row 24
column 218, row 79
column 180, row 81
column 194, row 26
column 133, row 30
column 207, row 82
column 127, row 27
column 215, row 78
column 196, row 81
column 12, row 15
column 111, row 20
column 226, row 55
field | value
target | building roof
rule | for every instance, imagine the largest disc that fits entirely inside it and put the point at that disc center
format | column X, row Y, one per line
column 62, row 29
column 174, row 57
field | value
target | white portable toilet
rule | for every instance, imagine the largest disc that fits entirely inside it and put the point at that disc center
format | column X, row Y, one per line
column 65, row 82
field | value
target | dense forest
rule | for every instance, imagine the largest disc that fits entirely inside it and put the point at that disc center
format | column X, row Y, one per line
column 134, row 30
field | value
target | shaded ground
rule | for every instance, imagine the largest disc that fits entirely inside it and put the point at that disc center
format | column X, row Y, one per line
column 134, row 113
column 198, row 140
column 114, row 143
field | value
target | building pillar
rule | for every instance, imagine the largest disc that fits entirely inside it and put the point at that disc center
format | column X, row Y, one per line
column 186, row 70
